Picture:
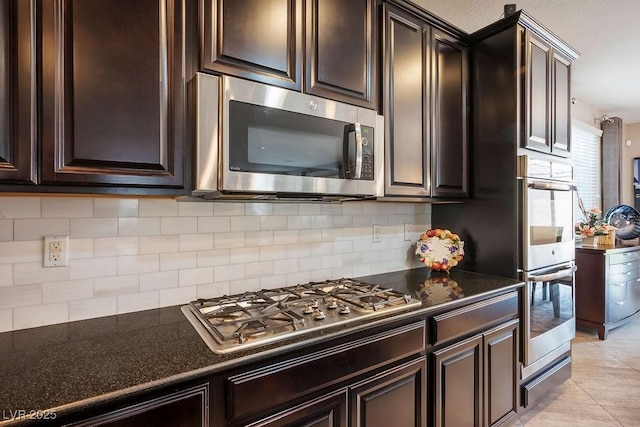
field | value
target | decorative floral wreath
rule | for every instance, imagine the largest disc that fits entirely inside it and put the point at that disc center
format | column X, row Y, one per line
column 440, row 249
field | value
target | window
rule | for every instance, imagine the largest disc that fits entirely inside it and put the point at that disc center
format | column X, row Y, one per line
column 586, row 154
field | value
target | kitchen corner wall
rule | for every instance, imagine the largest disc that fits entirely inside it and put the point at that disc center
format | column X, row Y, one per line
column 128, row 254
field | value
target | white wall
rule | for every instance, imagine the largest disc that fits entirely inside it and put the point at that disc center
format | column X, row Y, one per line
column 128, row 254
column 631, row 133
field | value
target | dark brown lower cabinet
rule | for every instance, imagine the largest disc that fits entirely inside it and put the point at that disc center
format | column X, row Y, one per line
column 476, row 379
column 182, row 408
column 326, row 411
column 393, row 398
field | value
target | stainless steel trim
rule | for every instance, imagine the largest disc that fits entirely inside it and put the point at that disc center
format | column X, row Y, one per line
column 553, row 276
column 548, row 185
column 207, row 133
column 358, row 131
column 527, row 371
column 537, row 347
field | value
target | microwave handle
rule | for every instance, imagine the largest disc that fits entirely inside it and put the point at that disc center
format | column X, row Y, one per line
column 553, row 276
column 357, row 129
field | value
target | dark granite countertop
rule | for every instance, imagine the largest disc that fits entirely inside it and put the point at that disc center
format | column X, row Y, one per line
column 72, row 366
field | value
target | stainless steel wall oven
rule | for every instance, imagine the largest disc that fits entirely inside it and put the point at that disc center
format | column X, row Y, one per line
column 547, row 254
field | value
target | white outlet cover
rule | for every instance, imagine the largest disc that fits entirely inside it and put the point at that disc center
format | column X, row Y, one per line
column 55, row 258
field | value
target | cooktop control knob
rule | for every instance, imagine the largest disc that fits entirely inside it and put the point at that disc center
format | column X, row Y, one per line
column 308, row 309
column 318, row 314
column 344, row 309
column 332, row 303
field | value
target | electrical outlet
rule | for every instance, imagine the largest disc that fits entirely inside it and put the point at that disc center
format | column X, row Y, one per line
column 377, row 233
column 56, row 251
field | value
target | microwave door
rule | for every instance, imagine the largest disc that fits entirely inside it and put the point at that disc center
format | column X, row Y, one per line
column 352, row 151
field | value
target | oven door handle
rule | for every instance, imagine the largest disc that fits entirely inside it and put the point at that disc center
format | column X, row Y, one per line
column 544, row 185
column 553, row 276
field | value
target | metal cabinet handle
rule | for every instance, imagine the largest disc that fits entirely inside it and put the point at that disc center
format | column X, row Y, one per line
column 618, row 285
column 619, row 303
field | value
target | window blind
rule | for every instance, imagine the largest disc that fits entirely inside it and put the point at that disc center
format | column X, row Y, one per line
column 587, row 154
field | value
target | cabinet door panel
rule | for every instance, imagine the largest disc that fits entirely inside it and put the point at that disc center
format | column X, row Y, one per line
column 458, row 384
column 184, row 408
column 256, row 39
column 114, row 91
column 501, row 372
column 561, row 143
column 393, row 398
column 341, row 50
column 406, row 115
column 449, row 142
column 538, row 94
column 17, row 94
column 325, row 411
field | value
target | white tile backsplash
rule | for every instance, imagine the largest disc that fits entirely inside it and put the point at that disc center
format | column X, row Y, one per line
column 115, row 208
column 34, row 272
column 195, row 276
column 159, row 244
column 6, row 275
column 114, row 246
column 6, row 230
column 6, row 320
column 70, row 290
column 20, row 207
column 45, row 314
column 128, row 254
column 93, row 227
column 34, row 229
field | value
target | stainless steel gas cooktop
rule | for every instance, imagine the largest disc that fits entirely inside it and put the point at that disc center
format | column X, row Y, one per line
column 236, row 322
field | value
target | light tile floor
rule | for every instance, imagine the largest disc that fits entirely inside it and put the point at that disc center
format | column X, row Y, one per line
column 604, row 389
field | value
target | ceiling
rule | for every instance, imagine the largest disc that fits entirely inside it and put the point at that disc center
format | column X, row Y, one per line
column 605, row 32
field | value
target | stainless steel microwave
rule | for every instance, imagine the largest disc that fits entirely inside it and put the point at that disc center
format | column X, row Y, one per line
column 256, row 141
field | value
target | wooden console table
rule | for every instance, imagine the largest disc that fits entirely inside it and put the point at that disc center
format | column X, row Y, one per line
column 607, row 287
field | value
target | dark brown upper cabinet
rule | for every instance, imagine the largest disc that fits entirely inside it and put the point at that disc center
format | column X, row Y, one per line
column 114, row 92
column 341, row 53
column 522, row 95
column 17, row 93
column 449, row 129
column 326, row 48
column 547, row 76
column 561, row 104
column 425, row 92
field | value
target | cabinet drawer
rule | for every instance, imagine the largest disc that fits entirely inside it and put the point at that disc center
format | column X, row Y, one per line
column 623, row 267
column 617, row 291
column 474, row 317
column 623, row 277
column 268, row 386
column 619, row 309
column 624, row 257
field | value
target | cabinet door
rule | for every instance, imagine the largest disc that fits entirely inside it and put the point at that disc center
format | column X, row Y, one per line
column 114, row 91
column 184, row 408
column 17, row 93
column 256, row 39
column 341, row 60
column 537, row 93
column 450, row 88
column 458, row 384
column 325, row 411
column 501, row 373
column 406, row 64
column 394, row 398
column 561, row 121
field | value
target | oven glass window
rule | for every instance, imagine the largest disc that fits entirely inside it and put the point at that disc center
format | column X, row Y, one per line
column 550, row 216
column 274, row 141
column 551, row 304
